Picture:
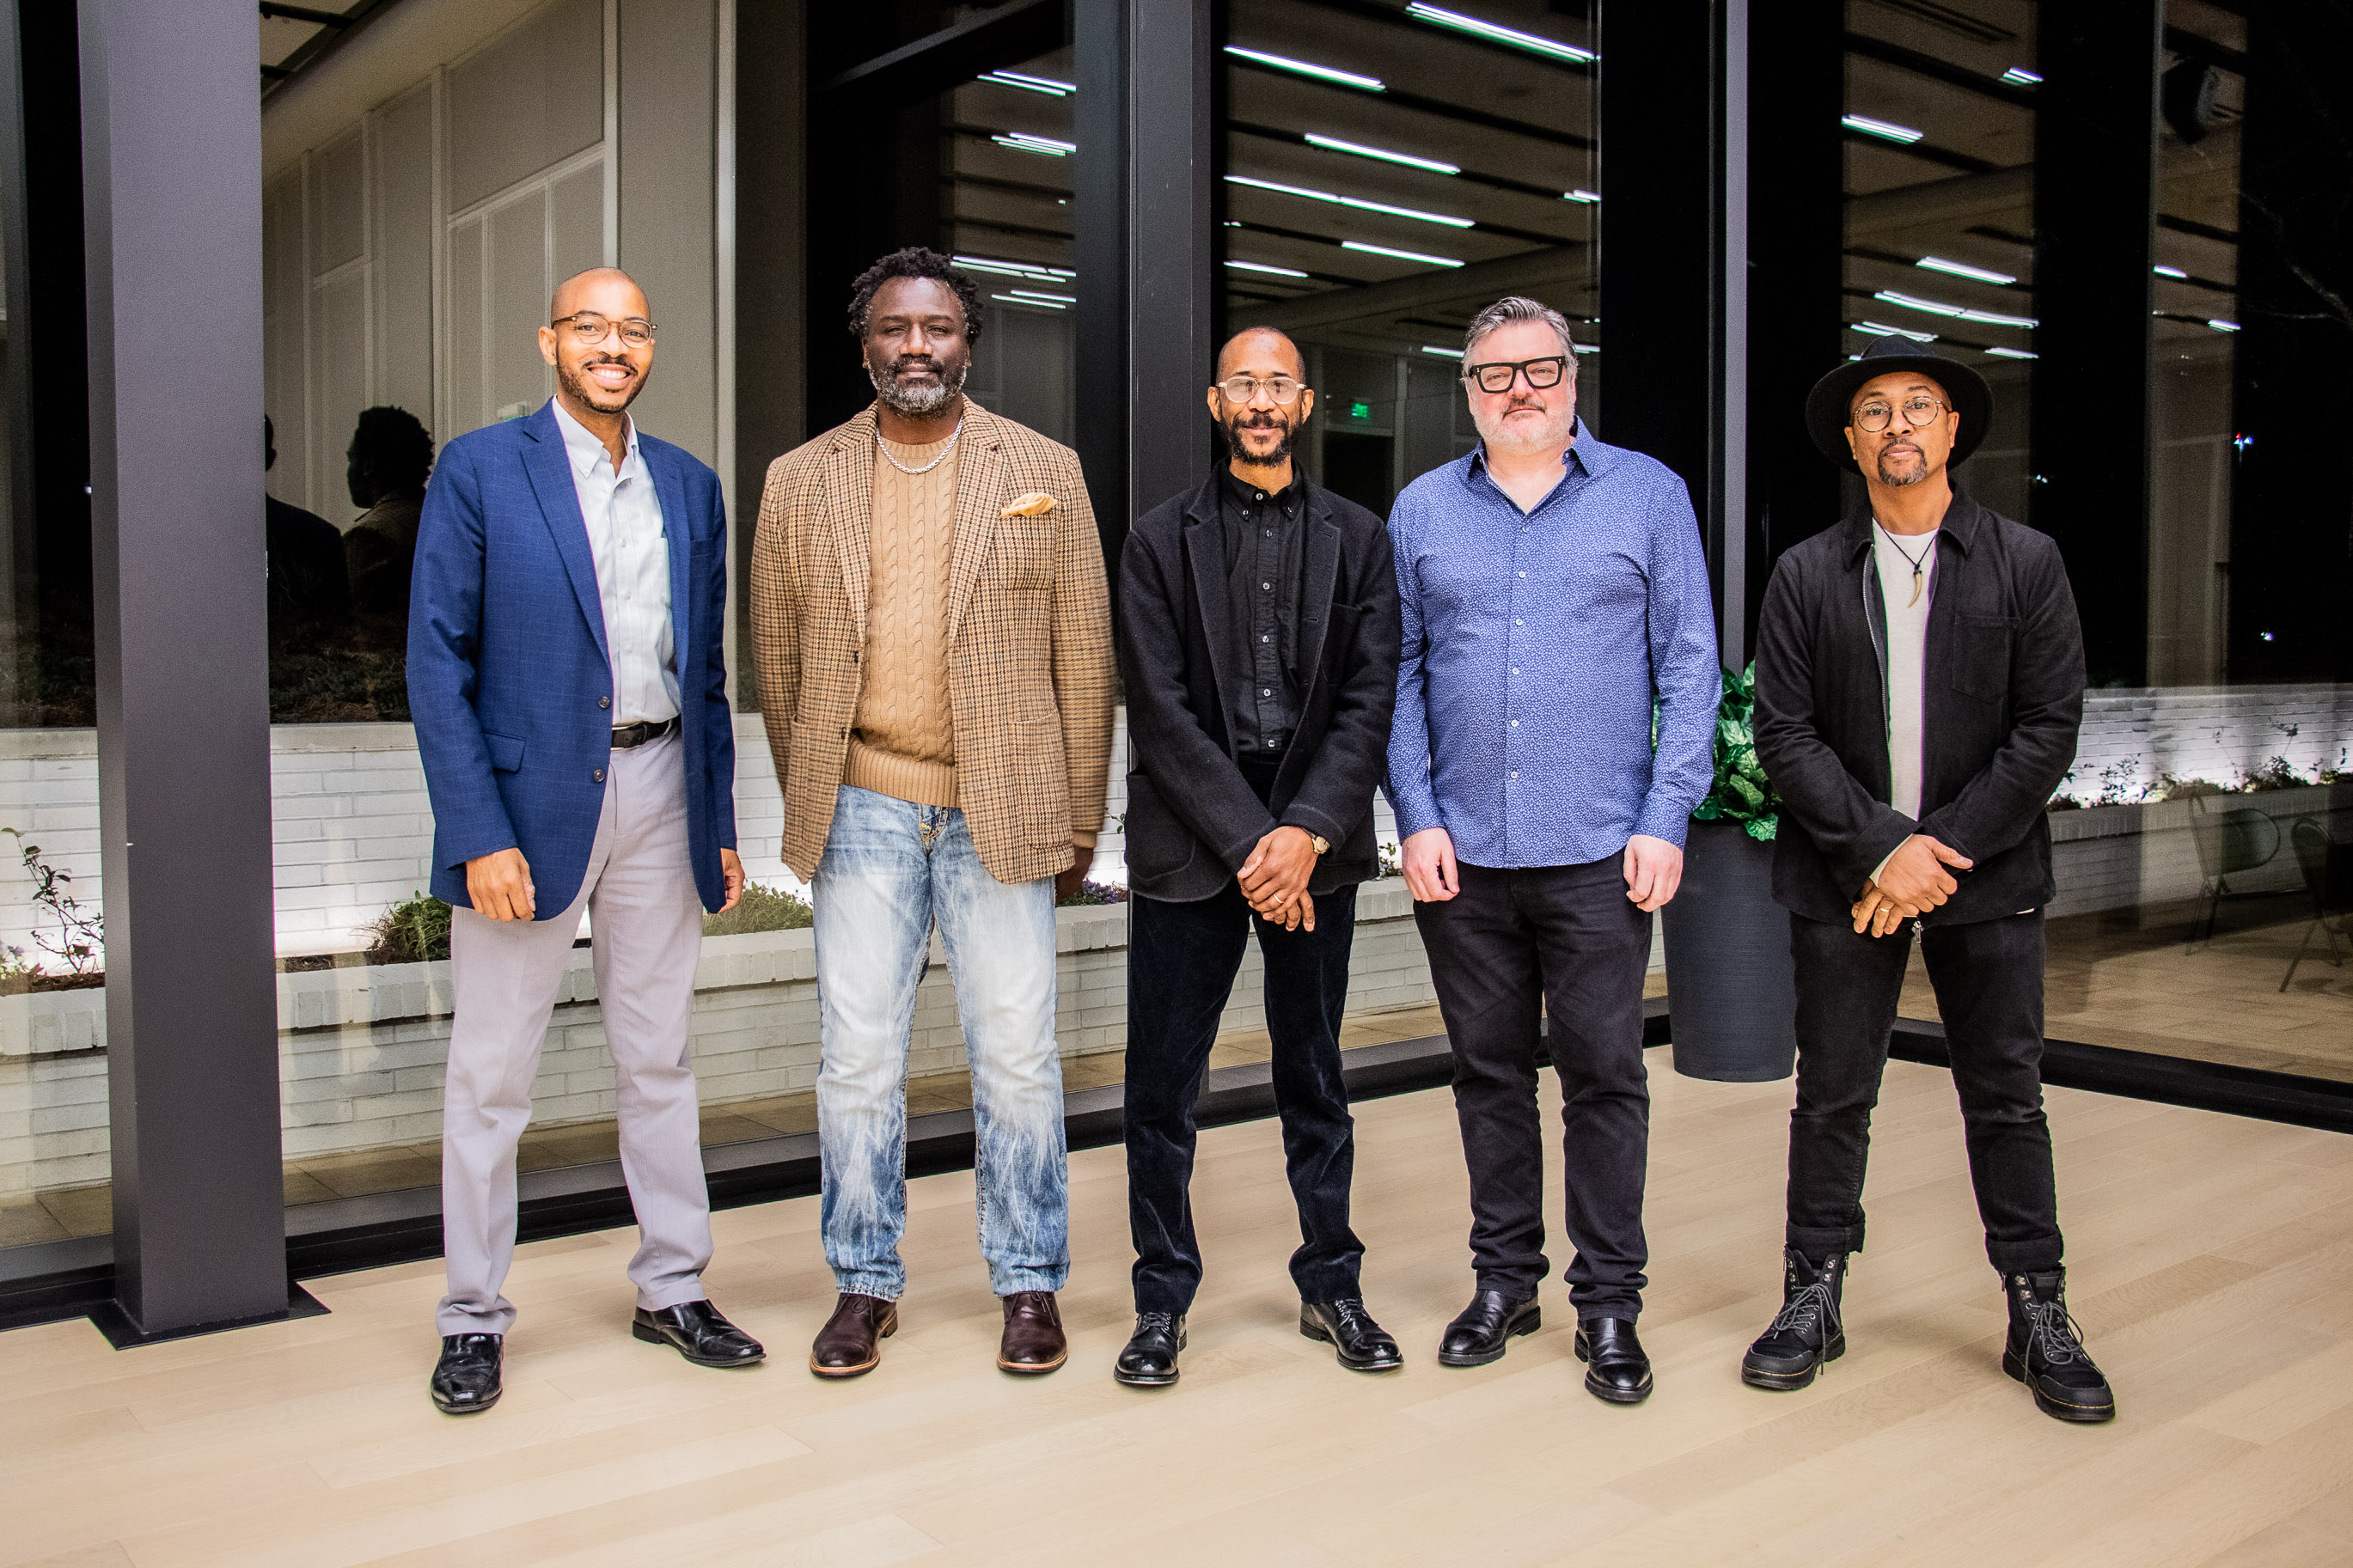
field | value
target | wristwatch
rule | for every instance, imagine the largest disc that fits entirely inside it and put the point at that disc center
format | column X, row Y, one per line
column 1322, row 844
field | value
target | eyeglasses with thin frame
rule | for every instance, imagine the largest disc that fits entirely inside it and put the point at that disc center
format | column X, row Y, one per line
column 1497, row 375
column 589, row 329
column 1918, row 410
column 1242, row 389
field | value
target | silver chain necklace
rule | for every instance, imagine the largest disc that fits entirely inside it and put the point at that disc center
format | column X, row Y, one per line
column 884, row 448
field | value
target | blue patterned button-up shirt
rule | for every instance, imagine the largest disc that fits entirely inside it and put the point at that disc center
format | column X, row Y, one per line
column 1534, row 645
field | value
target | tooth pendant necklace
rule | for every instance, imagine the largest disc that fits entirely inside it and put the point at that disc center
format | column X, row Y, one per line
column 1919, row 563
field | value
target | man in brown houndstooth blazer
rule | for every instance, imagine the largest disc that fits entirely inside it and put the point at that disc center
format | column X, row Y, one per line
column 933, row 633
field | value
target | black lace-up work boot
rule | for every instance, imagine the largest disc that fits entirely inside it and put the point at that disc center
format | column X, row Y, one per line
column 1809, row 1332
column 2045, row 1350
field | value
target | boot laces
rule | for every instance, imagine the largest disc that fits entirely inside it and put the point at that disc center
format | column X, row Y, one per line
column 1351, row 1313
column 1165, row 1323
column 2052, row 1330
column 1809, row 1310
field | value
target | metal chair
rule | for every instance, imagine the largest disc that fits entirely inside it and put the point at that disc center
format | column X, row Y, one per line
column 2327, row 868
column 2230, row 844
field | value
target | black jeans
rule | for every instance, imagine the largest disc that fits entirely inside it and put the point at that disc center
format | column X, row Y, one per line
column 1989, row 980
column 1567, row 938
column 1181, row 963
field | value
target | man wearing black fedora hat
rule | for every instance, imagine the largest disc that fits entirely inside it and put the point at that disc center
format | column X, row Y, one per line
column 1919, row 686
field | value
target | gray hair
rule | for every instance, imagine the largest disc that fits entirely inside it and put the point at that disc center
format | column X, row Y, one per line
column 1518, row 308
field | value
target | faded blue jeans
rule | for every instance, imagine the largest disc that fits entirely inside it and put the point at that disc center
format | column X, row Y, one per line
column 889, row 869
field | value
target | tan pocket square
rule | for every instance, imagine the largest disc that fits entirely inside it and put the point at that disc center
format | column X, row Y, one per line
column 1037, row 503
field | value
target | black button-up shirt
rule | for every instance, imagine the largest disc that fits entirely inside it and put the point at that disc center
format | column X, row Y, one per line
column 1263, row 535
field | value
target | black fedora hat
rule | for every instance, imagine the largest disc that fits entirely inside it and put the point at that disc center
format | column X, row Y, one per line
column 1827, row 405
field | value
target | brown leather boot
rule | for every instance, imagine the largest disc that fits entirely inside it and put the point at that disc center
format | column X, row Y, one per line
column 851, row 1340
column 1033, row 1334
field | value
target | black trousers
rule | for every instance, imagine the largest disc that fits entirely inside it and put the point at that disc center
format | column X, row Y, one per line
column 1989, row 980
column 1567, row 939
column 1181, row 963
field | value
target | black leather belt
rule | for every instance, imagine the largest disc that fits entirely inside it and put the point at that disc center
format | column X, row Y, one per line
column 632, row 735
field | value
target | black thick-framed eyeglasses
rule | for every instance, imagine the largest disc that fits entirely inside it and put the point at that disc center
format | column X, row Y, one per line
column 589, row 328
column 1497, row 375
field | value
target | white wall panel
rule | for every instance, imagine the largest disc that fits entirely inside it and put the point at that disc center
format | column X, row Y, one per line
column 576, row 209
column 401, row 152
column 669, row 59
column 340, row 381
column 469, row 405
column 518, row 268
column 338, row 217
column 527, row 101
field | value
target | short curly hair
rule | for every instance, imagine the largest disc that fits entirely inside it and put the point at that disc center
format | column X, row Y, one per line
column 914, row 261
column 395, row 443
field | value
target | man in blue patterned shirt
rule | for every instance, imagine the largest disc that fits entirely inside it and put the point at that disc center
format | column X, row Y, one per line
column 1551, row 586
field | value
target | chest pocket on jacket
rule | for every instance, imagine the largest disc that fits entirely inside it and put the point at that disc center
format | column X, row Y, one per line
column 1020, row 553
column 1981, row 646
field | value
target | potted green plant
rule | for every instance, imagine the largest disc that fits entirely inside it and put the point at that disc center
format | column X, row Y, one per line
column 1731, row 995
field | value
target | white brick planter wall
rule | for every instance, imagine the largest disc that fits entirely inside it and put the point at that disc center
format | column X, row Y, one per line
column 361, row 1051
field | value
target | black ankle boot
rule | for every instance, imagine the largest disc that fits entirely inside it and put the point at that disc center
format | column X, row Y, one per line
column 1809, row 1332
column 2045, row 1350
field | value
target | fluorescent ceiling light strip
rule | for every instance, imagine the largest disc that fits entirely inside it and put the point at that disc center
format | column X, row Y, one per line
column 1880, row 330
column 1912, row 302
column 1441, row 354
column 1023, row 269
column 2019, row 76
column 1035, row 294
column 1552, row 47
column 1023, row 79
column 1045, row 146
column 1886, row 129
column 1357, row 202
column 1361, row 151
column 1963, row 269
column 1414, row 254
column 1040, row 304
column 2012, row 353
column 1588, row 348
column 1586, row 196
column 2220, row 325
column 1994, row 319
column 1321, row 73
column 2168, row 272
column 1263, row 267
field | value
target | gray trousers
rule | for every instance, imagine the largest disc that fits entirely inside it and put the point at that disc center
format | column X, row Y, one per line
column 647, row 920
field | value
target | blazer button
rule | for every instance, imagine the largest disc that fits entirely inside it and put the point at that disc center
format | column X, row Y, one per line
column 604, row 702
column 598, row 776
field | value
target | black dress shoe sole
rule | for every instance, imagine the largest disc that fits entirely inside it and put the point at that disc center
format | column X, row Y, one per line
column 1389, row 1363
column 1527, row 1325
column 2058, row 1409
column 1610, row 1393
column 1142, row 1379
column 474, row 1408
column 656, row 1337
column 1782, row 1381
column 890, row 1326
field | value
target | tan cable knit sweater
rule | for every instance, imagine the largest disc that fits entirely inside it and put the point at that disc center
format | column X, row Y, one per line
column 903, row 740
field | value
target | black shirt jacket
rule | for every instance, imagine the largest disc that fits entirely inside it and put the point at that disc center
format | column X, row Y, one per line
column 1192, row 817
column 2001, row 700
column 1263, row 570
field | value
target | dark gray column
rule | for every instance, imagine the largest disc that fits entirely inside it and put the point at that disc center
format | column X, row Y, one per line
column 1171, row 228
column 1100, row 37
column 2095, row 215
column 172, row 191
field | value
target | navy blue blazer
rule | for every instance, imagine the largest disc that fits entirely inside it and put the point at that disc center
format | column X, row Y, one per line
column 509, row 682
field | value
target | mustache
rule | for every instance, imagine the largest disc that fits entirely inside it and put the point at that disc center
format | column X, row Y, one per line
column 906, row 363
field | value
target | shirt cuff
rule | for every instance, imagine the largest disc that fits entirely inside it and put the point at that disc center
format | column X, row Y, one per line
column 1669, row 820
column 1416, row 815
column 1880, row 869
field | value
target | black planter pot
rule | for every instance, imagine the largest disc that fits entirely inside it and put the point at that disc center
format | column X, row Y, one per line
column 1731, row 994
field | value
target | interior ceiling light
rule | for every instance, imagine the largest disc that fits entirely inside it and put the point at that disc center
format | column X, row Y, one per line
column 1036, row 294
column 1588, row 348
column 1441, row 354
column 1588, row 197
column 1028, row 83
column 1321, row 73
column 2221, row 325
column 1014, row 268
column 1038, row 304
column 1959, row 312
column 1551, row 49
column 1356, row 202
column 1963, row 269
column 1886, row 129
column 2011, row 354
column 1415, row 254
column 1361, row 151
column 2019, row 76
column 1880, row 330
column 2168, row 272
column 1045, row 146
column 1263, row 267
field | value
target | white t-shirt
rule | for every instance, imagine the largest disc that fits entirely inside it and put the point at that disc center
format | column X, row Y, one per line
column 1906, row 596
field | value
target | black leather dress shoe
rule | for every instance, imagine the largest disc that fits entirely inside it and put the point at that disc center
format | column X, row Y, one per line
column 1616, row 1370
column 466, row 1380
column 697, row 1331
column 1150, row 1359
column 1344, row 1325
column 1480, row 1332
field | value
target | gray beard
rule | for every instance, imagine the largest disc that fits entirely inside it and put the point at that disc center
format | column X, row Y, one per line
column 917, row 403
column 1508, row 438
column 1889, row 478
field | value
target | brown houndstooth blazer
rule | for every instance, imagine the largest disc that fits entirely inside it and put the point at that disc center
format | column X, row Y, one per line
column 1029, row 623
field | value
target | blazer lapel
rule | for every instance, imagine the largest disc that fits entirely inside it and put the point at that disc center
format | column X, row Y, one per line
column 1321, row 572
column 980, row 492
column 550, row 468
column 678, row 536
column 850, row 511
column 1204, row 564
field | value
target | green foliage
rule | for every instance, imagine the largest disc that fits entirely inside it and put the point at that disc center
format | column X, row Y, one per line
column 411, row 933
column 80, row 938
column 761, row 908
column 1741, row 792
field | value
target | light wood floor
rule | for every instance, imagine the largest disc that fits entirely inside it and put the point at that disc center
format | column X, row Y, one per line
column 311, row 1442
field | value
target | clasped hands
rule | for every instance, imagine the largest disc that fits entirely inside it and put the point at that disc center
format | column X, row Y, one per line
column 1274, row 878
column 498, row 884
column 1914, row 880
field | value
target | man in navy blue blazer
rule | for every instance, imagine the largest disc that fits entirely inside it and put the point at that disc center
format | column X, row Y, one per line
column 570, row 693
